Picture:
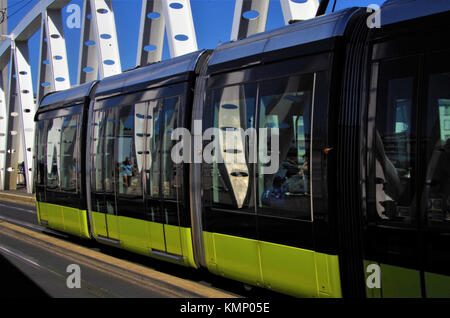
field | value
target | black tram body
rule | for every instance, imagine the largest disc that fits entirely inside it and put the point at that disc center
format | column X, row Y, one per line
column 358, row 203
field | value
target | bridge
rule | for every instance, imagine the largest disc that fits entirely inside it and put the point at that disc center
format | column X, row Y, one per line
column 98, row 57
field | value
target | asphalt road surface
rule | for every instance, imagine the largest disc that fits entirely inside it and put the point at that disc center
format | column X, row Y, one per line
column 30, row 267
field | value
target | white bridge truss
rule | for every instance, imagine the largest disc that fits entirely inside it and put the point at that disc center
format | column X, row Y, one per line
column 98, row 57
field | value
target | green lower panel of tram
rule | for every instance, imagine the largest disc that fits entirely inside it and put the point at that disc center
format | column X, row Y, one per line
column 294, row 271
column 399, row 282
column 62, row 218
column 145, row 237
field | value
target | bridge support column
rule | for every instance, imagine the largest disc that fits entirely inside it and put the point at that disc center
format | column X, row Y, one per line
column 151, row 32
column 298, row 11
column 180, row 27
column 250, row 17
column 88, row 60
column 105, row 38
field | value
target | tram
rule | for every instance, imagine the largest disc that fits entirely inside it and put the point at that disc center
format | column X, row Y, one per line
column 353, row 202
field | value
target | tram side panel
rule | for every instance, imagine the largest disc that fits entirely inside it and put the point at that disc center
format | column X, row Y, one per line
column 60, row 200
column 258, row 216
column 138, row 193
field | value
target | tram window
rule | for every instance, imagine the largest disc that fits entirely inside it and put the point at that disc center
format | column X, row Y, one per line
column 285, row 109
column 53, row 153
column 103, row 158
column 437, row 187
column 40, row 153
column 69, row 153
column 129, row 175
column 153, row 129
column 169, row 173
column 232, row 173
column 394, row 150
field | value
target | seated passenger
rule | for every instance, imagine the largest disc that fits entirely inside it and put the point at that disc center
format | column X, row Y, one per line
column 299, row 182
column 274, row 194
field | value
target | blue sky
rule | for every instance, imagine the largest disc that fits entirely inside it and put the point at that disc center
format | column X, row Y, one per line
column 212, row 20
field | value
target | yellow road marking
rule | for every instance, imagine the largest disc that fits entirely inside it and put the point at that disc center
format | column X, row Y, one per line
column 140, row 275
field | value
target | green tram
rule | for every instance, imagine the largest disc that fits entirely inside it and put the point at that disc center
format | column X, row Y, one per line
column 358, row 204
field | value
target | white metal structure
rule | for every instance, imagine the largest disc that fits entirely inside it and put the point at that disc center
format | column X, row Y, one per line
column 250, row 16
column 98, row 57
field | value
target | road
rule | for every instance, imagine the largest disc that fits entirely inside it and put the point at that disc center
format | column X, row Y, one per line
column 36, row 261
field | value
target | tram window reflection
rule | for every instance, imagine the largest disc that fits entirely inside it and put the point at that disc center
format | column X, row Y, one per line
column 394, row 151
column 285, row 109
column 437, row 183
column 69, row 153
column 129, row 181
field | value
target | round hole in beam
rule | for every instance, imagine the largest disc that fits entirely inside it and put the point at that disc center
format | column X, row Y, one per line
column 181, row 37
column 150, row 48
column 153, row 15
column 105, row 36
column 250, row 15
column 60, row 79
column 176, row 5
column 45, row 84
column 23, row 73
column 109, row 62
column 10, row 169
column 88, row 69
column 89, row 43
column 299, row 1
column 89, row 16
column 58, row 57
column 13, row 132
column 25, row 91
column 102, row 10
column 55, row 36
column 46, row 62
column 14, row 114
column 27, row 110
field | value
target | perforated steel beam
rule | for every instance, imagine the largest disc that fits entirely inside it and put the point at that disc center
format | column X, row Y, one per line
column 25, row 107
column 250, row 17
column 106, row 38
column 88, row 60
column 12, row 128
column 56, row 48
column 53, row 67
column 180, row 27
column 151, row 32
column 298, row 11
column 3, row 123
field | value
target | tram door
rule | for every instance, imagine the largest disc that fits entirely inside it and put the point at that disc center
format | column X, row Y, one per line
column 162, row 177
column 103, row 175
column 408, row 232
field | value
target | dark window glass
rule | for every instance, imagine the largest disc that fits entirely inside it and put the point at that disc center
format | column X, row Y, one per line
column 103, row 160
column 154, row 123
column 129, row 181
column 437, row 185
column 285, row 107
column 169, row 173
column 69, row 153
column 53, row 153
column 394, row 148
column 231, row 182
column 41, row 141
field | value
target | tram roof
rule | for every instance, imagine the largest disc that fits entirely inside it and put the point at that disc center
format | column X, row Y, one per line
column 317, row 29
column 74, row 95
column 395, row 11
column 160, row 73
